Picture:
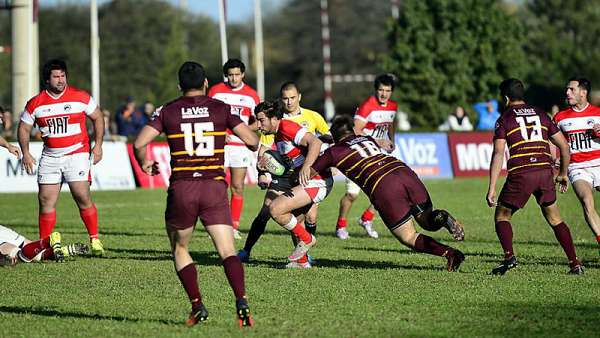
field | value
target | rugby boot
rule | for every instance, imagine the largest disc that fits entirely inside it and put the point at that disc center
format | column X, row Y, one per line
column 368, row 226
column 342, row 233
column 454, row 260
column 75, row 249
column 505, row 265
column 451, row 224
column 577, row 270
column 55, row 244
column 198, row 314
column 243, row 313
column 97, row 248
column 302, row 248
column 298, row 265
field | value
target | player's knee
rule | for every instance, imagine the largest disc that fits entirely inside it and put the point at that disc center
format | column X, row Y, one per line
column 237, row 188
column 276, row 210
column 351, row 196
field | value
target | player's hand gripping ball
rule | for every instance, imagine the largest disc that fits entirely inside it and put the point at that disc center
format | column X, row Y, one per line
column 274, row 163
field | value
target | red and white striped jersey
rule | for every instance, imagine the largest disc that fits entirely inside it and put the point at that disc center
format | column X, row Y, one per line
column 242, row 101
column 378, row 118
column 577, row 126
column 61, row 120
column 287, row 141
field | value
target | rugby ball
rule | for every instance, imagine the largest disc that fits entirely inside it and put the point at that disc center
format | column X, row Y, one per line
column 274, row 163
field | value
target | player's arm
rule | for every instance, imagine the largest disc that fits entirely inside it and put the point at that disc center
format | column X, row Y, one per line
column 98, row 120
column 314, row 148
column 11, row 149
column 559, row 140
column 146, row 135
column 247, row 135
column 23, row 134
column 359, row 125
column 495, row 168
column 323, row 163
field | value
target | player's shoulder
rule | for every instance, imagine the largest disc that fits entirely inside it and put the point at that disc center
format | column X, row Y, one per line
column 392, row 104
column 310, row 113
column 563, row 114
column 220, row 87
column 74, row 93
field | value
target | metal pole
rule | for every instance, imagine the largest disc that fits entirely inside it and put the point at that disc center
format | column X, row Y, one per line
column 222, row 31
column 95, row 50
column 395, row 9
column 260, row 63
column 21, row 36
column 327, row 84
column 34, row 68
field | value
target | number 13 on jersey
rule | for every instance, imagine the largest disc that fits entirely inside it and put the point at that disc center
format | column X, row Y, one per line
column 194, row 133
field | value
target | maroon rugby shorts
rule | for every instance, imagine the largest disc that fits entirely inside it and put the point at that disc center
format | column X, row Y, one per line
column 188, row 200
column 520, row 186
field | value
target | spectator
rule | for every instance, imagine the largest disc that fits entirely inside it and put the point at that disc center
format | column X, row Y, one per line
column 457, row 121
column 553, row 111
column 402, row 122
column 110, row 128
column 6, row 124
column 148, row 110
column 487, row 114
column 129, row 120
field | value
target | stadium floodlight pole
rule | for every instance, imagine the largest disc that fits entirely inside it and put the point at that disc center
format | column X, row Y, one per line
column 258, row 37
column 327, row 83
column 223, row 31
column 395, row 9
column 95, row 50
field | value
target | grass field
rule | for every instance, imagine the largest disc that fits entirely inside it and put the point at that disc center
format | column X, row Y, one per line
column 359, row 288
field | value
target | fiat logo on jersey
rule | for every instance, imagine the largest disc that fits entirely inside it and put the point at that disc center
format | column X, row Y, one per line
column 67, row 107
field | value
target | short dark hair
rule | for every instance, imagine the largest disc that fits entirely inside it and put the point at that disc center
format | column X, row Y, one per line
column 289, row 85
column 583, row 83
column 191, row 76
column 234, row 63
column 53, row 64
column 270, row 109
column 513, row 89
column 342, row 125
column 384, row 79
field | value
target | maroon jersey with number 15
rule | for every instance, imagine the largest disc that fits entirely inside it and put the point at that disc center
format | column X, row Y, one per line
column 195, row 127
column 527, row 132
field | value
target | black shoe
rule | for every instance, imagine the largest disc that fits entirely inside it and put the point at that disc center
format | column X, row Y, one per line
column 198, row 314
column 454, row 260
column 505, row 265
column 243, row 312
column 577, row 270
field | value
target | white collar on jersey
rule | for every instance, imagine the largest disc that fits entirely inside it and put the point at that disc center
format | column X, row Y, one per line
column 584, row 108
column 56, row 97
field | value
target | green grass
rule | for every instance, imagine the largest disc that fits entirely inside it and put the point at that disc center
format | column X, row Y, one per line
column 359, row 288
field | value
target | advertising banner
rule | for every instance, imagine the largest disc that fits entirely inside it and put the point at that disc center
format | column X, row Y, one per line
column 159, row 152
column 113, row 172
column 471, row 153
column 426, row 153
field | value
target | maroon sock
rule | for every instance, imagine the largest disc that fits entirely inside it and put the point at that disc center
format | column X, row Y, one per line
column 235, row 275
column 189, row 279
column 429, row 245
column 563, row 235
column 32, row 249
column 505, row 235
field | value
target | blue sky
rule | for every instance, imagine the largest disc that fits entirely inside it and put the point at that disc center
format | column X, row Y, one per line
column 237, row 10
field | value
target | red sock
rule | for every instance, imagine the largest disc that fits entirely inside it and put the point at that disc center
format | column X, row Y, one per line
column 303, row 259
column 189, row 279
column 47, row 221
column 235, row 275
column 237, row 203
column 563, row 235
column 301, row 233
column 367, row 215
column 505, row 235
column 429, row 245
column 341, row 223
column 90, row 219
column 598, row 239
column 32, row 249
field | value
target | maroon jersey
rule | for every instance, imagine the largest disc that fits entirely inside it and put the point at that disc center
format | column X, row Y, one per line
column 195, row 128
column 360, row 159
column 527, row 132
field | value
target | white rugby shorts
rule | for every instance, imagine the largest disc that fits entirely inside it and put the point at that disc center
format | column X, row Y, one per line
column 237, row 156
column 10, row 236
column 71, row 168
column 590, row 175
column 318, row 188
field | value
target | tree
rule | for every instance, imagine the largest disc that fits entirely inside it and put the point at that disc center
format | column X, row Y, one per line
column 451, row 52
column 561, row 42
